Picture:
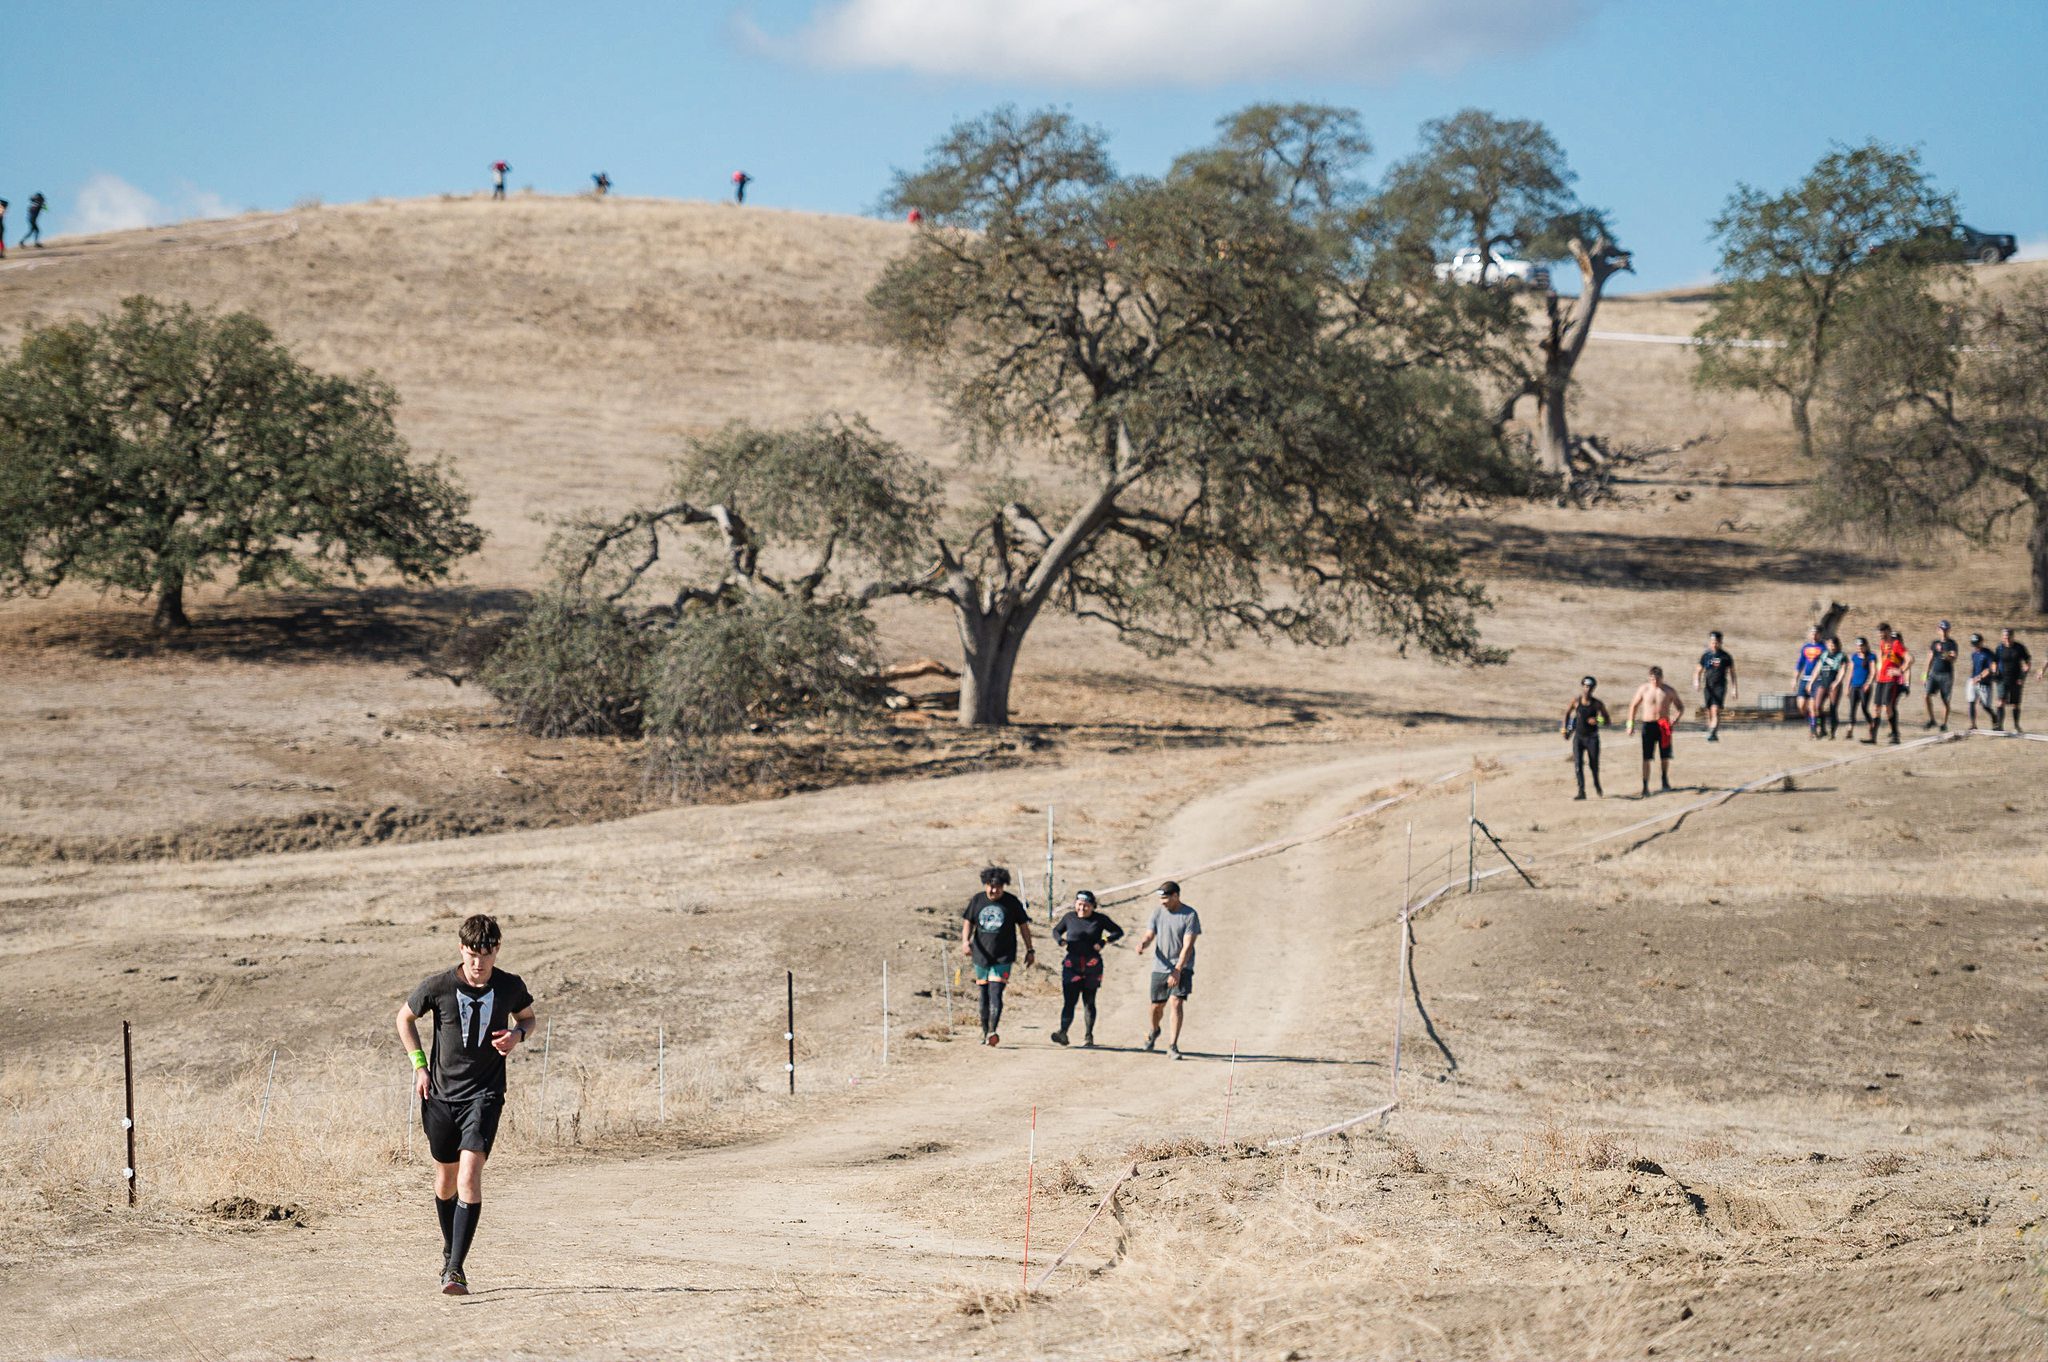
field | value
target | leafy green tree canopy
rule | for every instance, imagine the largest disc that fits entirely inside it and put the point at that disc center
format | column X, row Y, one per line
column 1796, row 263
column 162, row 445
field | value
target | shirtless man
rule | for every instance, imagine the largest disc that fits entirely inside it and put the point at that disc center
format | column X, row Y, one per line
column 1659, row 708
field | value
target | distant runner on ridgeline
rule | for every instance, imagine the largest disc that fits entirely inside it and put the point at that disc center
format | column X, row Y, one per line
column 1940, row 676
column 36, row 204
column 1714, row 678
column 1086, row 932
column 1659, row 709
column 989, row 928
column 499, row 170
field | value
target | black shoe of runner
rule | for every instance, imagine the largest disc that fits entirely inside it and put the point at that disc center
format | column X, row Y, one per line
column 1645, row 794
column 1058, row 1038
column 453, row 1283
column 1894, row 742
column 1580, row 795
column 1666, row 788
column 1713, row 735
column 1151, row 1040
column 1088, row 1041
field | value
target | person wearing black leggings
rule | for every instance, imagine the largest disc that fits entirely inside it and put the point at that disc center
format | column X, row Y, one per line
column 1583, row 719
column 1086, row 932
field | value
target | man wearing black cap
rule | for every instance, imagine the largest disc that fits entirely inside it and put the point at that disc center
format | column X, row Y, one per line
column 1171, row 936
column 1983, row 679
column 1941, row 673
column 1583, row 719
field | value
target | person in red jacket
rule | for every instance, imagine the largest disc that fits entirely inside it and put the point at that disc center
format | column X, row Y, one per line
column 499, row 170
column 1892, row 663
column 740, row 181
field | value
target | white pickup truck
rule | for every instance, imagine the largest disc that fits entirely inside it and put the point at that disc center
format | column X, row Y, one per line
column 1463, row 268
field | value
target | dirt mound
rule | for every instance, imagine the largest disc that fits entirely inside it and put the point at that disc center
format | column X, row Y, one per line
column 316, row 830
column 244, row 1208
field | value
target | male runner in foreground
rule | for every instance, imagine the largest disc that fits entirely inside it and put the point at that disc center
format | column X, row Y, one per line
column 1715, row 678
column 1983, row 680
column 1583, row 719
column 480, row 1014
column 1174, row 927
column 1659, row 708
column 1941, row 673
column 2014, row 662
column 1892, row 662
column 988, row 936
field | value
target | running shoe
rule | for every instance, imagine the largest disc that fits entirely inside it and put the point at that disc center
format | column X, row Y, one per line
column 993, row 1040
column 1059, row 1038
column 453, row 1283
column 1713, row 736
column 1173, row 1052
column 1088, row 1041
column 1151, row 1039
column 1580, row 795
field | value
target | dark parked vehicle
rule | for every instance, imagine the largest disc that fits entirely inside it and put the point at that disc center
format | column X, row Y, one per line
column 1955, row 244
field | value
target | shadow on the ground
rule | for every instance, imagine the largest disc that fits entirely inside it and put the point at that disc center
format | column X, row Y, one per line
column 379, row 624
column 1653, row 562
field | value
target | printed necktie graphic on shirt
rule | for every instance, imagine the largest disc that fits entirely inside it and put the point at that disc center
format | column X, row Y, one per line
column 476, row 1017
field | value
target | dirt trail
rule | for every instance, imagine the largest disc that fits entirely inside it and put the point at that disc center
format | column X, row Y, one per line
column 863, row 1228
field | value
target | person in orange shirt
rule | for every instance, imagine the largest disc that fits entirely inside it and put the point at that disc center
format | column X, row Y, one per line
column 1892, row 663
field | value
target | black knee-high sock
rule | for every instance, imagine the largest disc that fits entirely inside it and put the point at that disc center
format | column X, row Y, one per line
column 467, row 1213
column 984, row 1009
column 1895, row 723
column 995, row 1006
column 1069, row 996
column 446, row 1210
column 1088, row 1006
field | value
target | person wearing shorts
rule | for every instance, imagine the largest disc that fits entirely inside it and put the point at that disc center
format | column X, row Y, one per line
column 1802, row 673
column 1171, row 939
column 1983, row 680
column 481, row 1014
column 989, row 928
column 1714, row 678
column 1940, row 677
column 1086, row 932
column 1890, row 682
column 1658, row 708
column 2014, row 662
column 1829, row 677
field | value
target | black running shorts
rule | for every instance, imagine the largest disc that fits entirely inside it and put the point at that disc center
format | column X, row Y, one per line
column 2010, row 691
column 455, row 1126
column 1161, row 990
column 1656, row 736
column 1885, row 695
column 1938, row 684
column 1717, row 694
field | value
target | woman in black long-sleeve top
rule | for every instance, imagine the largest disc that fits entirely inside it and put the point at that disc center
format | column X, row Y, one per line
column 1084, row 931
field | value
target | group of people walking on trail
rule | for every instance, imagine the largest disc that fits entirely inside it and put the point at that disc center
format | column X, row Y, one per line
column 995, row 920
column 34, row 235
column 1873, row 681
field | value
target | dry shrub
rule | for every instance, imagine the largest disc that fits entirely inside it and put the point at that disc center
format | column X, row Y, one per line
column 1181, row 1147
column 1884, row 1163
column 1710, row 1147
column 1554, row 1145
column 1065, row 1179
column 1971, row 1031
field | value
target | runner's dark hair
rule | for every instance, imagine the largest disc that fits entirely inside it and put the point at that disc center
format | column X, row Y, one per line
column 480, row 932
column 995, row 874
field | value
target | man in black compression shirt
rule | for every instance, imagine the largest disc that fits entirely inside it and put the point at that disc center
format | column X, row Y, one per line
column 1714, row 677
column 1583, row 719
column 2014, row 662
column 480, row 1015
column 1087, row 932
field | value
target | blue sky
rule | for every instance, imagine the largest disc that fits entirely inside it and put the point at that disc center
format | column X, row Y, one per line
column 122, row 110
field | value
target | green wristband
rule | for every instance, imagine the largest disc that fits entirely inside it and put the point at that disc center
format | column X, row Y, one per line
column 419, row 1059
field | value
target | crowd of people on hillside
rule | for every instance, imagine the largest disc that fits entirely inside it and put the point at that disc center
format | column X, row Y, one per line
column 600, row 182
column 1872, row 681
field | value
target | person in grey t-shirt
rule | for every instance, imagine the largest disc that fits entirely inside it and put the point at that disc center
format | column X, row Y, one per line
column 1171, row 937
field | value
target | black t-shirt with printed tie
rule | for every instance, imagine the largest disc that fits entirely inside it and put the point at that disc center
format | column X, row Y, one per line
column 465, row 1065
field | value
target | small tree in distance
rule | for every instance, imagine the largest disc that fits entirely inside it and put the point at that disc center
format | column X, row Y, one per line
column 1797, row 264
column 160, row 445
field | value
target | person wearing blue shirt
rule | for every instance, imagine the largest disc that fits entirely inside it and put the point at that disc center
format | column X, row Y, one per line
column 1862, row 668
column 1802, row 675
column 1983, row 680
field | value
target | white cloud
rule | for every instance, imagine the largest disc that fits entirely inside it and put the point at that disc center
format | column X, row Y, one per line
column 1176, row 42
column 108, row 203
